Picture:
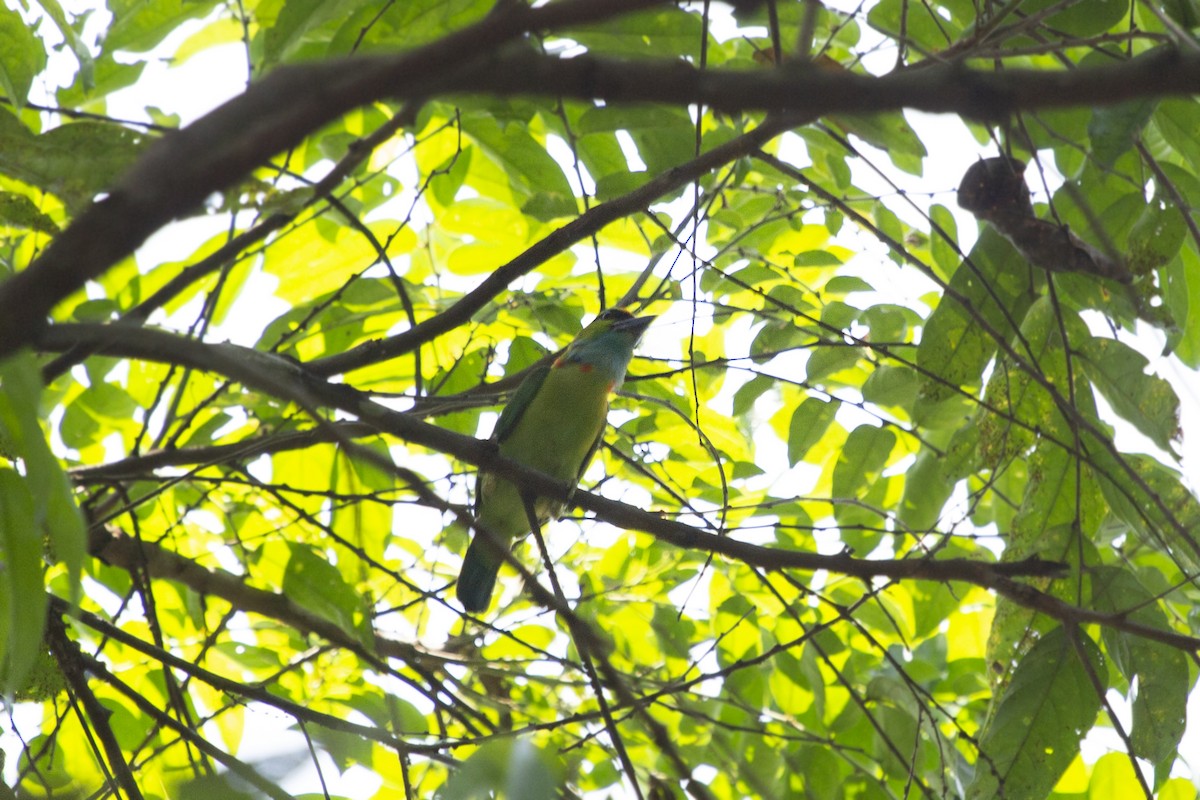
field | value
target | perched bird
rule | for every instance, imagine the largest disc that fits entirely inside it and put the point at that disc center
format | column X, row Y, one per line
column 993, row 189
column 553, row 424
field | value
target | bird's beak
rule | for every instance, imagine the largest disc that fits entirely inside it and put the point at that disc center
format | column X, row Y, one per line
column 635, row 326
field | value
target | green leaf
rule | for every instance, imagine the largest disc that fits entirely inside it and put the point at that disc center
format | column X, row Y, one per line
column 299, row 18
column 22, row 596
column 19, row 211
column 311, row 582
column 78, row 48
column 996, row 285
column 1156, row 237
column 890, row 133
column 809, row 422
column 748, row 393
column 862, row 458
column 1082, row 19
column 924, row 26
column 223, row 30
column 842, row 285
column 1181, row 295
column 448, row 177
column 1161, row 671
column 816, row 258
column 1039, row 721
column 140, row 25
column 830, row 359
column 463, row 374
column 401, row 26
column 1184, row 12
column 945, row 254
column 22, row 57
column 928, row 484
column 295, row 18
column 665, row 137
column 891, row 387
column 523, row 159
column 1013, row 394
column 227, row 786
column 1148, row 402
column 365, row 525
column 1177, row 120
column 644, row 33
column 97, row 411
column 1113, row 129
column 1054, row 501
column 890, row 226
column 1165, row 514
column 617, row 184
column 107, row 76
column 75, row 162
column 55, row 513
column 547, row 206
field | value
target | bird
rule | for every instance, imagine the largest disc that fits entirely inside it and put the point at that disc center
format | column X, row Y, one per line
column 554, row 423
column 993, row 189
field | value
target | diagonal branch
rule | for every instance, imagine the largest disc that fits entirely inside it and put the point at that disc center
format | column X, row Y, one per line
column 158, row 562
column 72, row 662
column 585, row 225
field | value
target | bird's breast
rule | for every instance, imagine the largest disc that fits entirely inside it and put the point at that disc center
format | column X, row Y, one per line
column 566, row 415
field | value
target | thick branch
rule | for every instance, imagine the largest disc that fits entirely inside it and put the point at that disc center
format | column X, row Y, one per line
column 802, row 88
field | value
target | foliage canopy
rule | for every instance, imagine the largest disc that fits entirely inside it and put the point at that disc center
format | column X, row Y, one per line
column 890, row 505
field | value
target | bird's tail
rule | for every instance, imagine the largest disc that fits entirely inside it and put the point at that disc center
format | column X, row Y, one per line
column 477, row 578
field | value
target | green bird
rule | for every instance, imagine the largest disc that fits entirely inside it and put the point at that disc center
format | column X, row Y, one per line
column 553, row 423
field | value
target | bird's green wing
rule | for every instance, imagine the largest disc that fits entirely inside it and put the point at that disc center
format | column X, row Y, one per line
column 591, row 453
column 520, row 401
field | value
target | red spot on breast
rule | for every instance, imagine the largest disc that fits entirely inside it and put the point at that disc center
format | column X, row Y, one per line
column 585, row 367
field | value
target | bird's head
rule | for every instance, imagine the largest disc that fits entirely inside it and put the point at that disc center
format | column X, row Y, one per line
column 615, row 324
column 608, row 342
column 993, row 185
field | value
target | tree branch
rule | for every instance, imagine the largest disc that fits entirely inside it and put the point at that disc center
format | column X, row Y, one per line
column 184, row 168
column 72, row 662
column 802, row 88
